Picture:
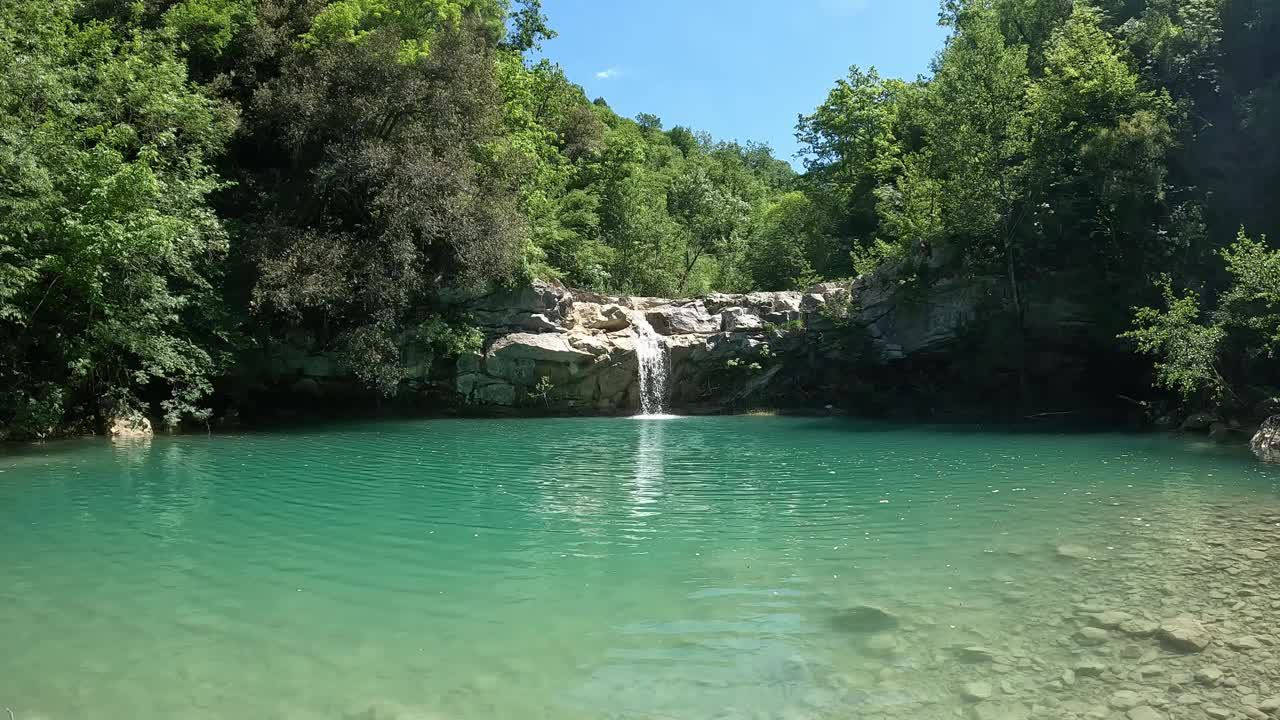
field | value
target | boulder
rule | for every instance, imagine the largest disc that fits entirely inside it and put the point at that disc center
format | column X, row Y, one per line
column 1092, row 636
column 1124, row 700
column 539, row 347
column 1090, row 667
column 1184, row 634
column 1266, row 442
column 1209, row 676
column 130, row 427
column 596, row 345
column 594, row 316
column 1138, row 627
column 735, row 319
column 976, row 691
column 1199, row 422
column 1244, row 642
column 683, row 319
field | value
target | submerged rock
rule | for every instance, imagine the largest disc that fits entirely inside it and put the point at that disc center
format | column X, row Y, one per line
column 1090, row 667
column 1109, row 619
column 881, row 644
column 1184, row 634
column 999, row 710
column 1208, row 676
column 1073, row 552
column 864, row 619
column 1244, row 642
column 1124, row 700
column 1092, row 636
column 976, row 654
column 976, row 691
column 1138, row 627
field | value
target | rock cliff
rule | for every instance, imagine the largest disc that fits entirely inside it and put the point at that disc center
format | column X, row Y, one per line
column 571, row 350
column 862, row 345
column 549, row 345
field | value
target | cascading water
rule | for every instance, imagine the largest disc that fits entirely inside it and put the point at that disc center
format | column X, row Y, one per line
column 653, row 366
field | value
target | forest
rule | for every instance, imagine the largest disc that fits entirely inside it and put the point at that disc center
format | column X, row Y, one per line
column 185, row 182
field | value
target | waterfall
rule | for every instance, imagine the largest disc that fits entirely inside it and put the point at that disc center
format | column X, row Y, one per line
column 653, row 365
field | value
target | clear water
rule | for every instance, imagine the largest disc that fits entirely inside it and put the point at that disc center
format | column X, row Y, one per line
column 689, row 568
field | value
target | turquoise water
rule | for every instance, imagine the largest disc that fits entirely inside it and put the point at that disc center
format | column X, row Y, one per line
column 593, row 568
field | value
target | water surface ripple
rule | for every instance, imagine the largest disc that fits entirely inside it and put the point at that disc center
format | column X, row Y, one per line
column 685, row 568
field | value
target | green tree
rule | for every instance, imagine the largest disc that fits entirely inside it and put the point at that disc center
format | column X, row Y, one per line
column 783, row 247
column 109, row 252
column 1220, row 356
column 713, row 218
column 387, row 188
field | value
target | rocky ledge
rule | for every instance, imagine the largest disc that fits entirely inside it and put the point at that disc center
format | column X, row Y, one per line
column 554, row 348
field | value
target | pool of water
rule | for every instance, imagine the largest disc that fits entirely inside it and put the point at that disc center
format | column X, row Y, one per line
column 590, row 568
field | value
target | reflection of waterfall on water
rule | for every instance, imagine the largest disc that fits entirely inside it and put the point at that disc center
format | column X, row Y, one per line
column 646, row 484
column 653, row 363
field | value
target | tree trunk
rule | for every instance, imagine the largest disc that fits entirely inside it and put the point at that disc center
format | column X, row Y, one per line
column 1024, row 382
column 688, row 268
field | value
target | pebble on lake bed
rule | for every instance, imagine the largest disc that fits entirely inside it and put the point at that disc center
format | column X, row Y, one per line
column 1159, row 632
column 1073, row 552
column 976, row 691
column 1185, row 634
column 1092, row 636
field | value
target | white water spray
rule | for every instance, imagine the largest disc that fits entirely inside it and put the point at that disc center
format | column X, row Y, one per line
column 654, row 365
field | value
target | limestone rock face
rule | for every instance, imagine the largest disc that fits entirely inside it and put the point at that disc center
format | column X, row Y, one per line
column 691, row 318
column 737, row 318
column 539, row 306
column 552, row 347
column 1266, row 442
column 573, row 351
column 925, row 326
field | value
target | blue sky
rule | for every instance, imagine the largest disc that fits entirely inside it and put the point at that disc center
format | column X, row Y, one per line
column 740, row 69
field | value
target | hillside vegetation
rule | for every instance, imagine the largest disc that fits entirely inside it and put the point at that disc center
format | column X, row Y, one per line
column 184, row 183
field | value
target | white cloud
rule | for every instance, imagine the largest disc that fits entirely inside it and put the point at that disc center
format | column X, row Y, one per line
column 608, row 73
column 842, row 7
